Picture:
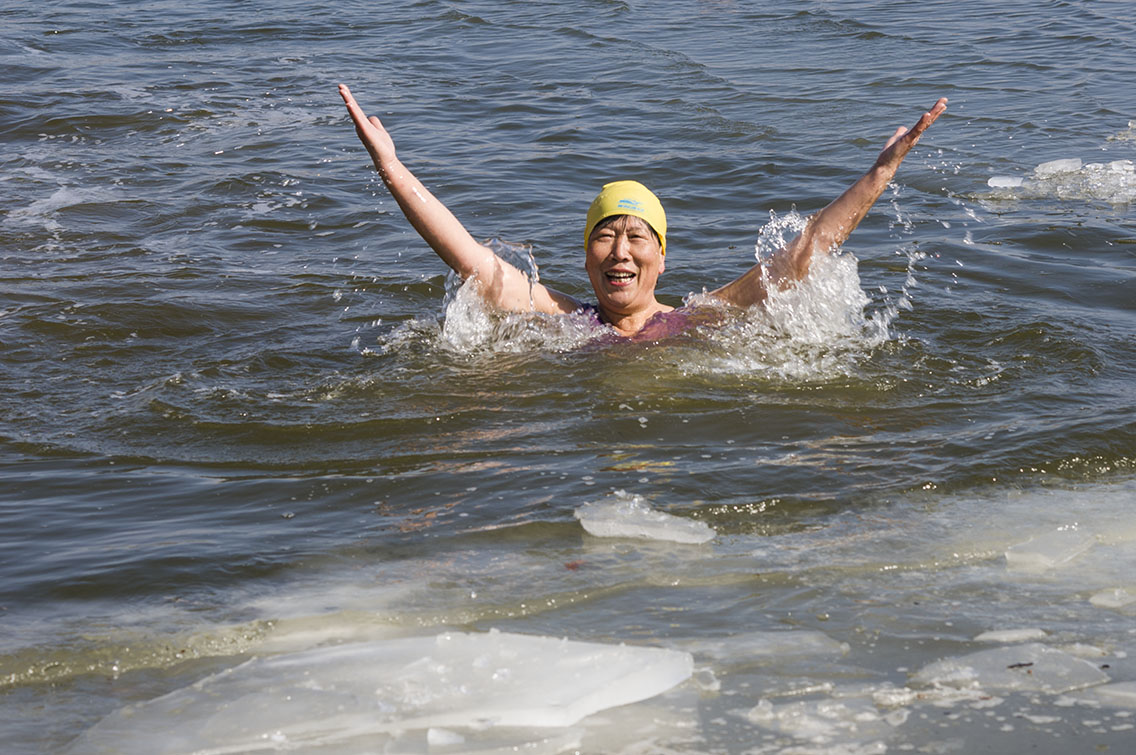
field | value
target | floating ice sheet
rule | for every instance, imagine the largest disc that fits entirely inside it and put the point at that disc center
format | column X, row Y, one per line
column 452, row 688
column 1049, row 550
column 631, row 516
column 1118, row 695
column 789, row 644
column 1033, row 667
column 1116, row 597
column 1011, row 635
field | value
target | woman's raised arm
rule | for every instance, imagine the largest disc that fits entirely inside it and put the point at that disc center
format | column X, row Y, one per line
column 829, row 228
column 502, row 284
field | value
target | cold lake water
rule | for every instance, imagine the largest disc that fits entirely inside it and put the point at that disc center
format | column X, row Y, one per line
column 269, row 481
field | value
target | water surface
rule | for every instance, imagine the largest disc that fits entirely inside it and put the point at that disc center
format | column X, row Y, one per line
column 242, row 417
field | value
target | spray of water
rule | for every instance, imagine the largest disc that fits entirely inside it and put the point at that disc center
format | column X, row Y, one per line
column 819, row 329
column 469, row 325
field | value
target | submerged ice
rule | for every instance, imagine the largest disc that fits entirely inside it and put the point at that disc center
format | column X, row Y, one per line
column 447, row 688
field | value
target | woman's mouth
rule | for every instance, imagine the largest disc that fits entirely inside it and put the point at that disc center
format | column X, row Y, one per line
column 619, row 277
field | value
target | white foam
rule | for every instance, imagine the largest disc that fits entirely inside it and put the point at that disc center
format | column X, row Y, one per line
column 1032, row 667
column 42, row 211
column 631, row 516
column 447, row 687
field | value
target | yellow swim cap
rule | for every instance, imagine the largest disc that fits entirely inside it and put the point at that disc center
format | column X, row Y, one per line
column 628, row 198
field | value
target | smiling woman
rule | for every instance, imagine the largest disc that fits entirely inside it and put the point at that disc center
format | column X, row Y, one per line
column 625, row 237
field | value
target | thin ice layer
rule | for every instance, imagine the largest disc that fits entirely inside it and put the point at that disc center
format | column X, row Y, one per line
column 1049, row 550
column 456, row 682
column 768, row 646
column 631, row 516
column 1031, row 667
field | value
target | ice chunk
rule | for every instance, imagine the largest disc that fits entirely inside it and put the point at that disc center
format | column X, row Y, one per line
column 1118, row 695
column 1032, row 667
column 1117, row 597
column 443, row 737
column 449, row 686
column 1049, row 550
column 765, row 646
column 1011, row 635
column 1003, row 182
column 631, row 516
column 1053, row 167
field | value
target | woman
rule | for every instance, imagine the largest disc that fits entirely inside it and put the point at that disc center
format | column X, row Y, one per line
column 625, row 238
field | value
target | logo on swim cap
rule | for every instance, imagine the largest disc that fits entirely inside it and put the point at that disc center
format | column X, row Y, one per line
column 633, row 205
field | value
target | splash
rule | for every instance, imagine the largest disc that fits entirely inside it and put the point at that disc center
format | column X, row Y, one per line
column 777, row 233
column 822, row 327
column 470, row 325
column 1113, row 182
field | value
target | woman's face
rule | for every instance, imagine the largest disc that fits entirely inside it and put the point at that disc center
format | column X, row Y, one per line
column 624, row 260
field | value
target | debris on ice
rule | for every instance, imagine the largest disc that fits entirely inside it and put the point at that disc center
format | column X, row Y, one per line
column 1049, row 550
column 1032, row 667
column 448, row 688
column 631, row 516
column 1011, row 635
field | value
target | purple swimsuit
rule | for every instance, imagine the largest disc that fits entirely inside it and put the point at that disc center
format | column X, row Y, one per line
column 662, row 324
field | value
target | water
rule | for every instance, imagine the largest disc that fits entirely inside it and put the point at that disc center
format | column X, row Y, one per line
column 238, row 421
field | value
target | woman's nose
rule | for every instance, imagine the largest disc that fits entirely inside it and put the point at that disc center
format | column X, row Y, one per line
column 621, row 249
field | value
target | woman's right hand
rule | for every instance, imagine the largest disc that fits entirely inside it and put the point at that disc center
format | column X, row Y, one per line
column 371, row 132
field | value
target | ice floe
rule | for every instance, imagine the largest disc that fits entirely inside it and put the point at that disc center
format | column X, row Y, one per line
column 1116, row 597
column 453, row 692
column 631, row 516
column 1028, row 668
